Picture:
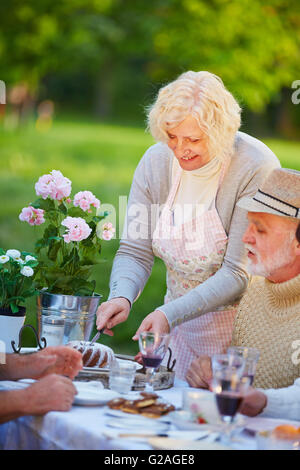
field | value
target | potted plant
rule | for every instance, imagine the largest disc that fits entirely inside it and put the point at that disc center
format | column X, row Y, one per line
column 67, row 252
column 17, row 273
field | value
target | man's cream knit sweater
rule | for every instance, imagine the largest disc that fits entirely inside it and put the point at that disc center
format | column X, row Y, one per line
column 268, row 319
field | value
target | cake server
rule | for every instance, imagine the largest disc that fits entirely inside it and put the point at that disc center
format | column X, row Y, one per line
column 97, row 336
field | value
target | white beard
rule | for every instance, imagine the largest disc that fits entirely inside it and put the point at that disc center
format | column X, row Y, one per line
column 280, row 259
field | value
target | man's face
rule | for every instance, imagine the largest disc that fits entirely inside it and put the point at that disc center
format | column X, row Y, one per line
column 270, row 241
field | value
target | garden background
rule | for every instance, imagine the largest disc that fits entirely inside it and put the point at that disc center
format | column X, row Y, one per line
column 79, row 75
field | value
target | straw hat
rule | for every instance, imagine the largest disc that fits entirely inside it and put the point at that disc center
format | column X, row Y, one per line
column 279, row 195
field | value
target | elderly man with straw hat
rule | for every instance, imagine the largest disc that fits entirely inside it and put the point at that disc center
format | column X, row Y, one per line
column 268, row 317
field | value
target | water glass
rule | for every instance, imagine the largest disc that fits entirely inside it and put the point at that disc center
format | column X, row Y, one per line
column 121, row 375
column 53, row 330
column 250, row 356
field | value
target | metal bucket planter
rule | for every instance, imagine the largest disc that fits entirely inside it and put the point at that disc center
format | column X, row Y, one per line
column 64, row 318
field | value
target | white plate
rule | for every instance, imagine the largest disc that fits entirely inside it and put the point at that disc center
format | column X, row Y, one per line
column 166, row 443
column 182, row 420
column 124, row 415
column 138, row 425
column 101, row 369
column 28, row 350
column 90, row 397
column 93, row 385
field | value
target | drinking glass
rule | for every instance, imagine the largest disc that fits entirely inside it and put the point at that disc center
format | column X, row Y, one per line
column 229, row 388
column 121, row 375
column 153, row 347
column 219, row 361
column 250, row 355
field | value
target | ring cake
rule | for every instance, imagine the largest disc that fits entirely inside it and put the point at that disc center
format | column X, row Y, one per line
column 93, row 355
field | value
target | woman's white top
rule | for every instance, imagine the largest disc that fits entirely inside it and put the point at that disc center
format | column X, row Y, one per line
column 197, row 190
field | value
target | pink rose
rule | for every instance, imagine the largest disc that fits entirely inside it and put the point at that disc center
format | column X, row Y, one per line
column 77, row 229
column 85, row 199
column 55, row 186
column 32, row 216
column 44, row 186
column 108, row 231
column 62, row 185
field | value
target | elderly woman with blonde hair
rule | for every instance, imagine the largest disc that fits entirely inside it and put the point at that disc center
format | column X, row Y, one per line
column 182, row 208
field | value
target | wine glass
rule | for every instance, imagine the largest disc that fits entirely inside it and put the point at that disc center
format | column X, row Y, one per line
column 153, row 347
column 221, row 361
column 229, row 388
column 250, row 356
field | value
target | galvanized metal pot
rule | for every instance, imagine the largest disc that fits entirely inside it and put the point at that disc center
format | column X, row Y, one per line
column 64, row 318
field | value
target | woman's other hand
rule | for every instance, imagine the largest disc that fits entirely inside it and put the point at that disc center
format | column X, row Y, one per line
column 111, row 313
column 156, row 322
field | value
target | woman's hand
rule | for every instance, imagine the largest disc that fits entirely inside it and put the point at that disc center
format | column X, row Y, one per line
column 111, row 313
column 156, row 322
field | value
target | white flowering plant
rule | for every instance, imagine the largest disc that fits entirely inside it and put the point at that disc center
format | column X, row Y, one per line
column 17, row 273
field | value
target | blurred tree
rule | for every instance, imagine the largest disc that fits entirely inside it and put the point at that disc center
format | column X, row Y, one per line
column 118, row 47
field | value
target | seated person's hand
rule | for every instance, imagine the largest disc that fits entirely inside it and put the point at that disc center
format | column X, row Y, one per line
column 51, row 393
column 253, row 403
column 199, row 374
column 55, row 360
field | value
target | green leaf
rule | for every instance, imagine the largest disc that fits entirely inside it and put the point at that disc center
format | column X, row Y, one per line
column 76, row 212
column 51, row 216
column 63, row 208
column 45, row 204
column 32, row 263
column 14, row 308
column 53, row 249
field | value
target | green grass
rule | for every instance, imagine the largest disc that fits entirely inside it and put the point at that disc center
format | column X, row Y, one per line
column 97, row 157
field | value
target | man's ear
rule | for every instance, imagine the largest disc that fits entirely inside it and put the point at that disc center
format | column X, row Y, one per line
column 298, row 240
column 297, row 248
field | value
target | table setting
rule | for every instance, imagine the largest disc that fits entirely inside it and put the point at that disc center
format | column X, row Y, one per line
column 175, row 418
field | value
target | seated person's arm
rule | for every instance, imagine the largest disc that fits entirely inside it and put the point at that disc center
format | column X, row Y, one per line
column 59, row 360
column 51, row 393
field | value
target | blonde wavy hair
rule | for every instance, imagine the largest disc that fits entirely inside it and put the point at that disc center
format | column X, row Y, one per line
column 204, row 96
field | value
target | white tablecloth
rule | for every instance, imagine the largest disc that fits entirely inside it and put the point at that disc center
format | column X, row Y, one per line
column 84, row 427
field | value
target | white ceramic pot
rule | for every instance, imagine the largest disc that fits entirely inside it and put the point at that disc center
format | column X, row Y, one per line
column 10, row 325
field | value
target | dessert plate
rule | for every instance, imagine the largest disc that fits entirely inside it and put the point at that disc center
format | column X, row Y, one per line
column 166, row 443
column 135, row 424
column 123, row 415
column 90, row 397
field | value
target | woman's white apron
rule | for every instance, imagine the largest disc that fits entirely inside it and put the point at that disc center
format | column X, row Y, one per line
column 192, row 252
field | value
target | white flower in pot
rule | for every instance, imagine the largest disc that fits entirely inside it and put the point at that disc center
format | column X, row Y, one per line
column 16, row 285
